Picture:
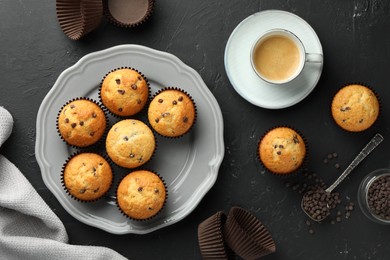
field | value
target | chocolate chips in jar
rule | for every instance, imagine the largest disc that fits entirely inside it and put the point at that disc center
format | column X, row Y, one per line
column 378, row 197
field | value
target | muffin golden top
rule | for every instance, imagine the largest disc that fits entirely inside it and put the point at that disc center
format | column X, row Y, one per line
column 130, row 143
column 171, row 113
column 87, row 176
column 124, row 92
column 355, row 108
column 282, row 150
column 81, row 123
column 141, row 194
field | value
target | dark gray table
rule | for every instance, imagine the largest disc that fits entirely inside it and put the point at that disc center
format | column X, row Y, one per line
column 356, row 42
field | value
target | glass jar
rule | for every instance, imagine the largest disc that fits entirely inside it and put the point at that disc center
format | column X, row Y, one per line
column 364, row 196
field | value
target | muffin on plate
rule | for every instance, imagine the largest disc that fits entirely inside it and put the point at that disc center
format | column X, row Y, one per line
column 124, row 92
column 130, row 143
column 355, row 108
column 81, row 122
column 87, row 176
column 141, row 195
column 282, row 150
column 172, row 112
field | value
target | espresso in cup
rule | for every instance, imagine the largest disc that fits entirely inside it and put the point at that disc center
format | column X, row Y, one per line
column 278, row 56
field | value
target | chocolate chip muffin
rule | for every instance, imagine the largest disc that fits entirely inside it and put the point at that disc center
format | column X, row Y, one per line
column 81, row 122
column 87, row 176
column 141, row 195
column 130, row 143
column 124, row 92
column 172, row 112
column 282, row 150
column 355, row 108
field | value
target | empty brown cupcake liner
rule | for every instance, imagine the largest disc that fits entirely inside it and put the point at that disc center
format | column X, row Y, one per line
column 112, row 112
column 97, row 143
column 105, row 157
column 294, row 172
column 377, row 97
column 195, row 108
column 246, row 235
column 146, row 219
column 142, row 19
column 145, row 163
column 211, row 240
column 79, row 17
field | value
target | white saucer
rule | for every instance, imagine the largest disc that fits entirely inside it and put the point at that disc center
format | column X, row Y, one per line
column 244, row 79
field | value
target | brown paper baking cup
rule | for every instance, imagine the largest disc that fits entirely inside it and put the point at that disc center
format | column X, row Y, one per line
column 195, row 109
column 100, row 140
column 127, row 13
column 158, row 212
column 377, row 97
column 210, row 238
column 66, row 188
column 246, row 235
column 114, row 113
column 79, row 17
column 304, row 161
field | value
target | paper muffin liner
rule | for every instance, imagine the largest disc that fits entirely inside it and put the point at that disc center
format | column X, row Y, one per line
column 373, row 91
column 246, row 235
column 143, row 110
column 158, row 212
column 294, row 172
column 116, row 21
column 105, row 157
column 79, row 17
column 195, row 109
column 211, row 240
column 145, row 163
column 98, row 142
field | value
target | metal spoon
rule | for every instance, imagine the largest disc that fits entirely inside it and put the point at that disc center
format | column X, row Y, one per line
column 374, row 142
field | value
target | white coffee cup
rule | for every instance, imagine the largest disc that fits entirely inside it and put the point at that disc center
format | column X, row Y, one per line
column 278, row 56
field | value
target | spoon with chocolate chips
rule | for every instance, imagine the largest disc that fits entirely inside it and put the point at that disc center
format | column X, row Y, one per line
column 317, row 202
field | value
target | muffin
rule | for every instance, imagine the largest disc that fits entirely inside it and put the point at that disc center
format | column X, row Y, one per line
column 141, row 195
column 87, row 176
column 171, row 112
column 124, row 92
column 130, row 143
column 81, row 122
column 355, row 108
column 282, row 150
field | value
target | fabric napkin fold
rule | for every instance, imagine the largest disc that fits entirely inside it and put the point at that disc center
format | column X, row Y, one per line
column 29, row 229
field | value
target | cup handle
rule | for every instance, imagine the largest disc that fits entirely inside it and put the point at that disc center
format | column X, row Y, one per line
column 314, row 57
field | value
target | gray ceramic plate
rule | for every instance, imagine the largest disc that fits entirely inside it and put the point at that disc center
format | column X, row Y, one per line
column 189, row 165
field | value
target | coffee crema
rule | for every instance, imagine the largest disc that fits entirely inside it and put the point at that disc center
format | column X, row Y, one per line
column 276, row 58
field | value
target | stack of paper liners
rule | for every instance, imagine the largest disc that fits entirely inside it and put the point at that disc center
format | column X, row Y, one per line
column 79, row 17
column 246, row 235
column 210, row 237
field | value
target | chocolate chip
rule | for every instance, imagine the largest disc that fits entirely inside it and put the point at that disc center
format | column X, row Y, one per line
column 126, row 138
column 311, row 231
column 345, row 109
column 139, row 78
column 295, row 139
column 330, row 156
column 118, row 81
column 140, row 189
column 174, row 102
column 66, row 120
column 150, row 208
column 133, row 86
column 361, row 121
column 156, row 191
column 139, row 101
column 337, row 166
column 82, row 191
column 96, row 190
column 281, row 146
column 157, row 120
column 81, row 123
column 94, row 115
column 180, row 98
column 165, row 114
column 335, row 155
column 308, row 223
column 120, row 109
column 325, row 161
column 73, row 125
column 279, row 152
column 72, row 106
column 121, row 91
column 92, row 133
column 160, row 100
column 132, row 155
column 185, row 119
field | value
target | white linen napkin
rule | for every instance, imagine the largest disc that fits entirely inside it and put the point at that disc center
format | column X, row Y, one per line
column 28, row 227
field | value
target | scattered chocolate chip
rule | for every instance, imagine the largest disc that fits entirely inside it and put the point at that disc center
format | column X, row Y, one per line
column 335, row 155
column 330, row 156
column 121, row 91
column 174, row 102
column 160, row 100
column 133, row 86
column 325, row 161
column 73, row 125
column 185, row 119
column 308, row 223
column 140, row 189
column 311, row 231
column 337, row 166
column 180, row 98
column 66, row 120
column 118, row 81
column 81, row 123
column 338, row 219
